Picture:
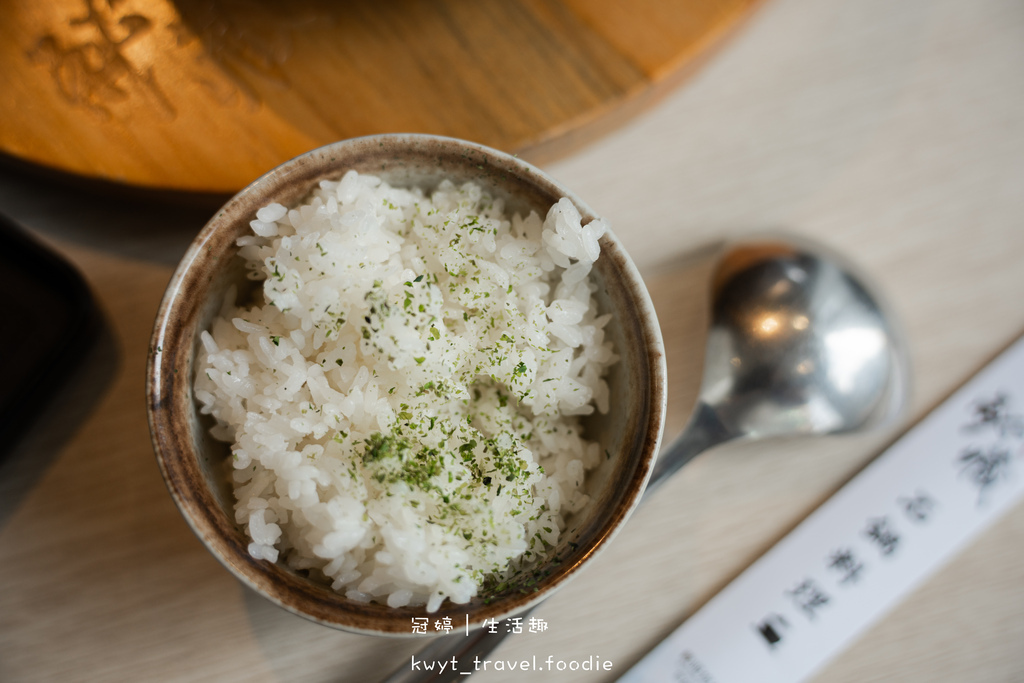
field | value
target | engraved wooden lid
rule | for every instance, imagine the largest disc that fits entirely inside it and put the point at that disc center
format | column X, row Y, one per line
column 204, row 96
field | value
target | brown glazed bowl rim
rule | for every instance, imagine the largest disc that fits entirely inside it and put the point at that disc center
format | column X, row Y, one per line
column 171, row 408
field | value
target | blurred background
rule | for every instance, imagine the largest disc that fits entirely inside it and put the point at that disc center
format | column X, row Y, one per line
column 891, row 132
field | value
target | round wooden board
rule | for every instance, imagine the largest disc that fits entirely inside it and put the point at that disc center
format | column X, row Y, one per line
column 206, row 95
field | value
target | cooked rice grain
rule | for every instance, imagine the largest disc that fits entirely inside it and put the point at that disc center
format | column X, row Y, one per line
column 403, row 399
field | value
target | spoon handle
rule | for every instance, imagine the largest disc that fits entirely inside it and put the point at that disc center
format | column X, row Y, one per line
column 703, row 431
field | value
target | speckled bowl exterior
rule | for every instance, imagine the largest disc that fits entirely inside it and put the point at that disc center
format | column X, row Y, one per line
column 194, row 465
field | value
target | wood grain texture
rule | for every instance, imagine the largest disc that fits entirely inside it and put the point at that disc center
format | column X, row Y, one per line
column 202, row 95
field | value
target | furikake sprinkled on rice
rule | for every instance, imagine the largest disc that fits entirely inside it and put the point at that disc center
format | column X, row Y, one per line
column 402, row 395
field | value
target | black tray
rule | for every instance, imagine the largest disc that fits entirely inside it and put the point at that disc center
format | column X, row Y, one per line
column 49, row 323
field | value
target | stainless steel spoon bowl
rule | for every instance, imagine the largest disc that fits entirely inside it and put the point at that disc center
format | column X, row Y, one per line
column 798, row 345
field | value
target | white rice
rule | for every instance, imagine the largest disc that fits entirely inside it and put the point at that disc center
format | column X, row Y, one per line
column 402, row 400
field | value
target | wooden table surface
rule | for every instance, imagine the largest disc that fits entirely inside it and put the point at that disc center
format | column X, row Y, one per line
column 893, row 132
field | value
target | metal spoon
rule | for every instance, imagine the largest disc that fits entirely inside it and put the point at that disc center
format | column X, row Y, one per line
column 797, row 346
